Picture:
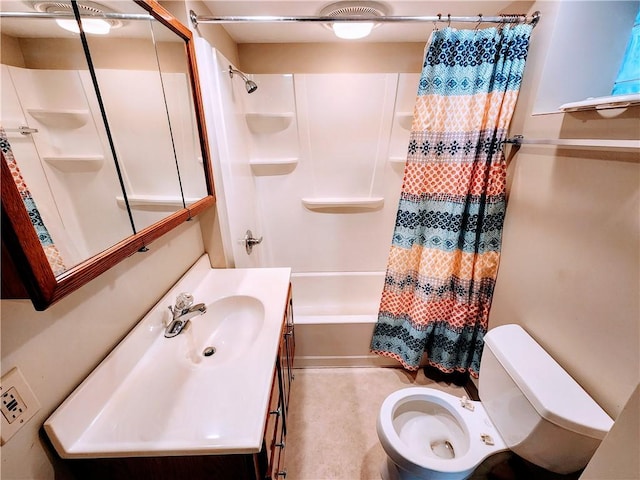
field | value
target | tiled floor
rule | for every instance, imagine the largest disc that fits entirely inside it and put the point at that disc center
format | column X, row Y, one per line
column 332, row 420
column 332, row 426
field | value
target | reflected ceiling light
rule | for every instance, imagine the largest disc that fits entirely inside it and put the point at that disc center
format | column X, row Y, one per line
column 353, row 30
column 89, row 25
column 99, row 26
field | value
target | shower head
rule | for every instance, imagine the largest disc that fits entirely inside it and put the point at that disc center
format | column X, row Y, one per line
column 250, row 85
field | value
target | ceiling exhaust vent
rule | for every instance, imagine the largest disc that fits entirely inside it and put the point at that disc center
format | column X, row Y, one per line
column 353, row 9
column 89, row 8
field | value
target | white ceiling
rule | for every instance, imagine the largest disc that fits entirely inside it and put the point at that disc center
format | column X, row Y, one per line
column 314, row 32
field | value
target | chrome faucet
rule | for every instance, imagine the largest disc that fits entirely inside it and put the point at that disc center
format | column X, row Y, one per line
column 182, row 312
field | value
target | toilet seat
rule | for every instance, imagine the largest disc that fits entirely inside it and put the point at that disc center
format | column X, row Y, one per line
column 413, row 422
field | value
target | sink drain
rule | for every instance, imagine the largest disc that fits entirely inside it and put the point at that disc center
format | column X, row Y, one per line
column 207, row 352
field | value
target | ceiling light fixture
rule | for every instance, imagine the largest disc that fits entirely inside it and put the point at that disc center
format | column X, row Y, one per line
column 98, row 26
column 353, row 30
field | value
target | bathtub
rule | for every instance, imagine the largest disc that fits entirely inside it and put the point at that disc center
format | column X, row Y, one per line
column 334, row 314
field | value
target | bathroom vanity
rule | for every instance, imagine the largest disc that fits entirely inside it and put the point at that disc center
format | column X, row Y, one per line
column 211, row 402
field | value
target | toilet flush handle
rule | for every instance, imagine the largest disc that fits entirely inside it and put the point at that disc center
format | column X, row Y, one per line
column 487, row 439
column 466, row 403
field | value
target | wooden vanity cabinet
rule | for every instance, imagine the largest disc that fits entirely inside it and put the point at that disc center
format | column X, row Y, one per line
column 268, row 464
column 276, row 428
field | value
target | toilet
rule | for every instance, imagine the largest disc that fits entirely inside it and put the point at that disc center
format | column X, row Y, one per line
column 528, row 404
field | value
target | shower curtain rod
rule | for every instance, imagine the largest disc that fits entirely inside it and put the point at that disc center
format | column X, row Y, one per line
column 105, row 15
column 513, row 18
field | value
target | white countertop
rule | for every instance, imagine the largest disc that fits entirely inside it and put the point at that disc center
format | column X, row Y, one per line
column 157, row 396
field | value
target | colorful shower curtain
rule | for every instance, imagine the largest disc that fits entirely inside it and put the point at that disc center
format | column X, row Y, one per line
column 445, row 250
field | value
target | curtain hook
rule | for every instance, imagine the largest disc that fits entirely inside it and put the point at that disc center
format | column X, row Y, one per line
column 449, row 20
column 479, row 22
column 503, row 21
column 435, row 25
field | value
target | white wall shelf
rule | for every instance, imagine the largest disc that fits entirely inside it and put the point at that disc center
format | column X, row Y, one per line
column 343, row 204
column 266, row 167
column 154, row 202
column 268, row 122
column 602, row 103
column 398, row 160
column 60, row 118
column 567, row 74
column 76, row 163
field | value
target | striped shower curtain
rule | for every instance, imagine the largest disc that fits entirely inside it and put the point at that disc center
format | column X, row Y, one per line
column 445, row 249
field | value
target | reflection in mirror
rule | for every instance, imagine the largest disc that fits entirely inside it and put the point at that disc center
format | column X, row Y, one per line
column 81, row 175
column 173, row 65
column 65, row 161
column 142, row 78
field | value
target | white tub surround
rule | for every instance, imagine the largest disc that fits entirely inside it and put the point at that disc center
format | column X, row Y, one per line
column 335, row 313
column 157, row 396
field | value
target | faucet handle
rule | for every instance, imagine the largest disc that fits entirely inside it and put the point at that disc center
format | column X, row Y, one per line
column 184, row 301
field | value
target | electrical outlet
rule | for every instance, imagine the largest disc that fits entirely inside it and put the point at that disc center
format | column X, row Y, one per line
column 12, row 405
column 17, row 403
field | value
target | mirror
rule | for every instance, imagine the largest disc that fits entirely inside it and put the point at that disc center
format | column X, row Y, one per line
column 105, row 133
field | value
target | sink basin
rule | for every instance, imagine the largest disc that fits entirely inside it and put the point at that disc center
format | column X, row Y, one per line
column 156, row 396
column 225, row 332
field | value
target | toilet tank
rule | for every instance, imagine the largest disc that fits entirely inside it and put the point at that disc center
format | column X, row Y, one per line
column 542, row 413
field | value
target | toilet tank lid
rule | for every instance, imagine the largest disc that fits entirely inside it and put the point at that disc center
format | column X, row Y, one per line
column 554, row 394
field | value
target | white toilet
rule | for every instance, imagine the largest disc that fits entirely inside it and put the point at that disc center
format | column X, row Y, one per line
column 529, row 405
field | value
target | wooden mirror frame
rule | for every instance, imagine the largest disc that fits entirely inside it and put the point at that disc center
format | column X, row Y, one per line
column 25, row 269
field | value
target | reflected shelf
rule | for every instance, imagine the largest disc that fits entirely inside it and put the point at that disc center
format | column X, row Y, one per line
column 60, row 118
column 143, row 202
column 76, row 163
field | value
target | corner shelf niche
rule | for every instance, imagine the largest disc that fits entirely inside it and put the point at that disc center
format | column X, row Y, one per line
column 266, row 167
column 268, row 122
column 405, row 119
column 76, row 163
column 60, row 118
column 343, row 204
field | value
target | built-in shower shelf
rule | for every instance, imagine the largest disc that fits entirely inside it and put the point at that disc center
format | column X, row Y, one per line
column 60, row 118
column 281, row 166
column 398, row 160
column 343, row 204
column 268, row 122
column 155, row 202
column 76, row 163
column 405, row 119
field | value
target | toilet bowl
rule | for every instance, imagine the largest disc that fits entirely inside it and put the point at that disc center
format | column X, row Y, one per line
column 529, row 405
column 430, row 434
